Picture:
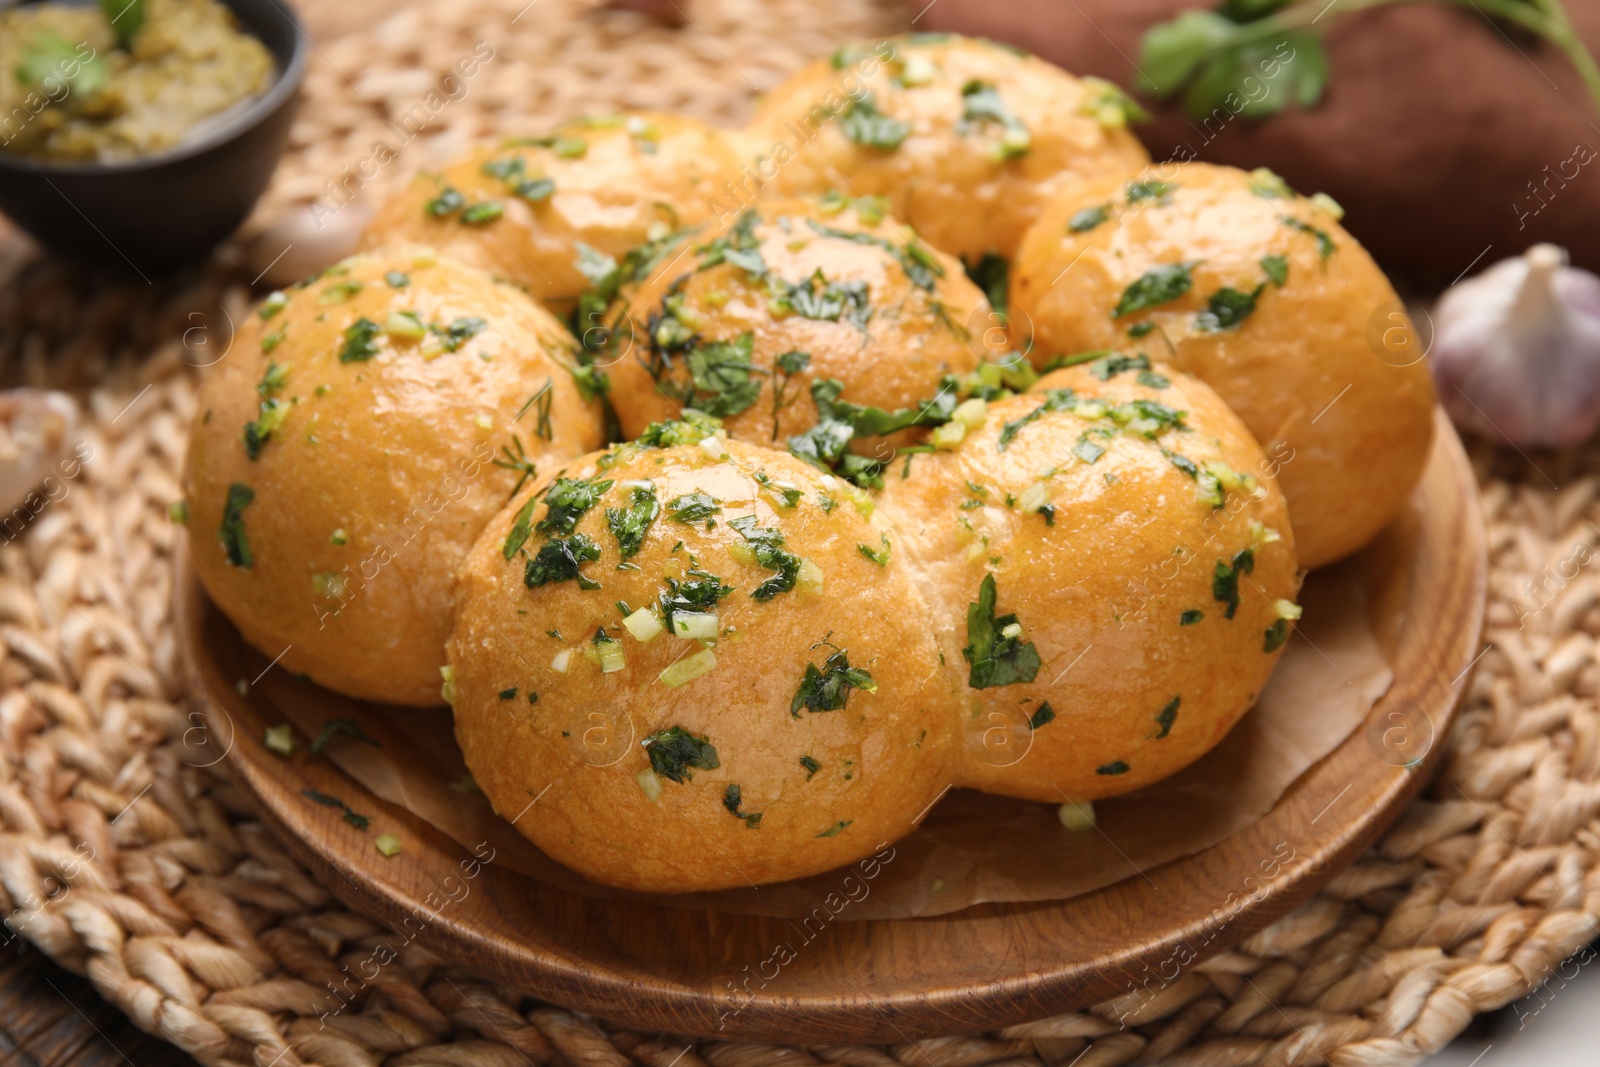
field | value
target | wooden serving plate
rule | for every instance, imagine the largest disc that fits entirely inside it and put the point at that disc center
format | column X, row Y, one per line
column 695, row 972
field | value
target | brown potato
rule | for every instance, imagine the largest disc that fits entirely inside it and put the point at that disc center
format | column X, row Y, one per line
column 526, row 207
column 862, row 303
column 790, row 718
column 1263, row 296
column 343, row 460
column 967, row 139
column 1125, row 523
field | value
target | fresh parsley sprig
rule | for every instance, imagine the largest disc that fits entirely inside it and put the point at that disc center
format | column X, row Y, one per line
column 1210, row 56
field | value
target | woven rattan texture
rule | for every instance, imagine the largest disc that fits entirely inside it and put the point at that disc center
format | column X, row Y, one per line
column 124, row 858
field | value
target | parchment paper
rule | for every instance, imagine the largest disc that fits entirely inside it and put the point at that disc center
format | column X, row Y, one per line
column 973, row 848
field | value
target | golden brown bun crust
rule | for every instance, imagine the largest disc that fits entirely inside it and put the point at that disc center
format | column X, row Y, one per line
column 1350, row 429
column 389, row 450
column 945, row 182
column 881, row 758
column 610, row 197
column 913, row 334
column 1101, row 591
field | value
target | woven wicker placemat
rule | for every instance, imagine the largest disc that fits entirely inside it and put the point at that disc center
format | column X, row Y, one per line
column 125, row 858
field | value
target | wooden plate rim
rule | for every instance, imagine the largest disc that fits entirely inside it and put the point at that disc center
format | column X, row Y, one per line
column 1457, row 573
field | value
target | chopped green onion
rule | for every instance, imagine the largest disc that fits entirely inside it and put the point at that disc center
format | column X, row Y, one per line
column 643, row 625
column 971, row 413
column 809, row 577
column 388, row 844
column 650, row 782
column 689, row 668
column 695, row 625
column 405, row 324
column 447, row 691
column 1288, row 609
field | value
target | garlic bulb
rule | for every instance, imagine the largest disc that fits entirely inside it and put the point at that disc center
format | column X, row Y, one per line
column 1516, row 351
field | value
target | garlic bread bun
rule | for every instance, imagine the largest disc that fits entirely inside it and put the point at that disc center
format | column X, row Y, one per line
column 969, row 140
column 1103, row 558
column 342, row 460
column 522, row 208
column 770, row 707
column 1262, row 295
column 785, row 297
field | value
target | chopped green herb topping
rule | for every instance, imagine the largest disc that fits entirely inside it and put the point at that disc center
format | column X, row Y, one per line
column 566, row 502
column 1225, row 579
column 693, row 428
column 811, row 766
column 920, row 265
column 360, row 341
column 508, row 694
column 234, row 543
column 1167, row 716
column 693, row 507
column 725, row 383
column 829, row 689
column 1190, row 617
column 483, row 214
column 995, row 649
column 1086, row 219
column 1158, row 285
column 819, row 299
column 521, row 526
column 459, row 332
column 339, row 291
column 864, row 124
column 1152, row 189
column 768, row 545
column 340, row 728
column 1276, row 268
column 1110, row 366
column 674, row 751
column 1044, row 714
column 1325, row 245
column 629, row 525
column 731, row 799
column 449, row 200
column 275, row 302
column 880, row 556
column 1118, row 767
column 836, row 828
column 351, row 816
column 397, row 279
column 982, row 105
column 558, row 559
column 695, row 593
column 1277, row 635
column 1227, row 308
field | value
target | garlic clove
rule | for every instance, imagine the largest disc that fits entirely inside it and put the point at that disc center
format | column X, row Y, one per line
column 1516, row 351
column 36, row 428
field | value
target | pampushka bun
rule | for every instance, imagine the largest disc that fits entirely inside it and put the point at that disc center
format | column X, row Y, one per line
column 346, row 453
column 711, row 657
column 1262, row 295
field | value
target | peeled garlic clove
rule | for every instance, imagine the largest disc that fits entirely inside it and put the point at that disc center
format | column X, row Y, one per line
column 1516, row 351
column 36, row 429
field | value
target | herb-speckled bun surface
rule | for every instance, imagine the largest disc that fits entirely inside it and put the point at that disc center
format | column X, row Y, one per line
column 969, row 140
column 521, row 208
column 746, row 319
column 341, row 460
column 818, row 727
column 1103, row 557
column 1263, row 295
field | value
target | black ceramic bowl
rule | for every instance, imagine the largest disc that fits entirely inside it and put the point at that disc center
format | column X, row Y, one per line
column 164, row 211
